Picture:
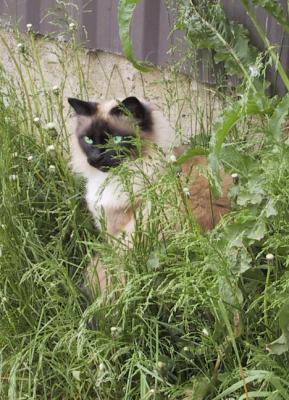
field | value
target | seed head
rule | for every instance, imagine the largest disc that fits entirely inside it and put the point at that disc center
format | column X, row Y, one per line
column 51, row 168
column 55, row 90
column 50, row 126
column 270, row 257
column 235, row 178
column 254, row 71
column 161, row 365
column 72, row 26
column 29, row 28
column 205, row 332
column 101, row 367
column 187, row 191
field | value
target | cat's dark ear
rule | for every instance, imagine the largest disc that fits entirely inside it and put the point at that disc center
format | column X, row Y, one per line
column 135, row 107
column 132, row 106
column 81, row 107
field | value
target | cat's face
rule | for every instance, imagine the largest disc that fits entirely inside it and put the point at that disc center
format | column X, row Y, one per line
column 111, row 131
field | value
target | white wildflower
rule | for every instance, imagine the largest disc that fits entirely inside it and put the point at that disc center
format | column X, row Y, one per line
column 13, row 177
column 20, row 46
column 50, row 148
column 61, row 38
column 161, row 365
column 51, row 168
column 115, row 331
column 36, row 120
column 235, row 178
column 50, row 126
column 29, row 27
column 186, row 191
column 72, row 26
column 270, row 257
column 205, row 332
column 101, row 367
column 254, row 71
column 173, row 158
column 55, row 90
column 30, row 158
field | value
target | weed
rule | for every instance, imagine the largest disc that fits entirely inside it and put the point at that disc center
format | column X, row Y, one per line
column 200, row 316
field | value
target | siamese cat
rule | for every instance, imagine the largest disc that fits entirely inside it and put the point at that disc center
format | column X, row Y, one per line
column 111, row 132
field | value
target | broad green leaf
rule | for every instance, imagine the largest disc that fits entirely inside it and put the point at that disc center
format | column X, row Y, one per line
column 246, row 197
column 278, row 118
column 279, row 346
column 223, row 127
column 230, row 293
column 240, row 260
column 252, row 193
column 251, row 376
column 199, row 390
column 269, row 209
column 258, row 231
column 125, row 14
column 251, row 105
column 195, row 151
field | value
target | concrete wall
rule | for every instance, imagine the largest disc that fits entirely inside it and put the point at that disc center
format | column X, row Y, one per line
column 102, row 75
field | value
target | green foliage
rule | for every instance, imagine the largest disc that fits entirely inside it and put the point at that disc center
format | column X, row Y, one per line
column 275, row 9
column 125, row 14
column 202, row 316
column 208, row 28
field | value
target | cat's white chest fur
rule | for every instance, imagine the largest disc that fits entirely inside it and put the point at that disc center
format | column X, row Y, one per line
column 103, row 194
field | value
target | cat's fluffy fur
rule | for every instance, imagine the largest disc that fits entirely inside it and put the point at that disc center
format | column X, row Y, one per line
column 104, row 193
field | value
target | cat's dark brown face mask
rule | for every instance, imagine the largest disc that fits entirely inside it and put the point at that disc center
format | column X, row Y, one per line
column 109, row 132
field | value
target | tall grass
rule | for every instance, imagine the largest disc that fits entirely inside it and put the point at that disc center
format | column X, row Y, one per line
column 197, row 313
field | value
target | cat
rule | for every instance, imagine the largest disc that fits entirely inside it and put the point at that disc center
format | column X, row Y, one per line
column 120, row 124
column 110, row 132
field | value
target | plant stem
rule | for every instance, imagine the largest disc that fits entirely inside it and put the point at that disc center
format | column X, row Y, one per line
column 267, row 44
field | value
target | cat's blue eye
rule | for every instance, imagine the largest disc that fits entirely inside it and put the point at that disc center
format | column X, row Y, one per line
column 88, row 140
column 117, row 139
